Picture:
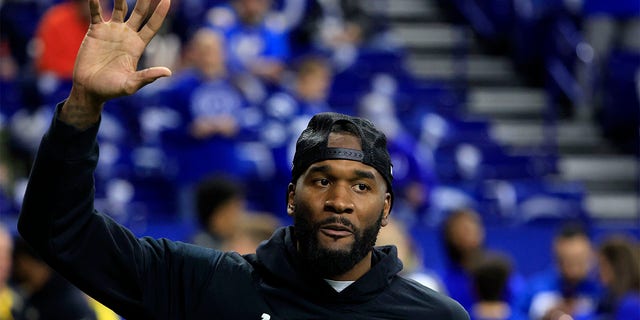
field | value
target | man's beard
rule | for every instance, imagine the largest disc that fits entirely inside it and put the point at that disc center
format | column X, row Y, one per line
column 328, row 263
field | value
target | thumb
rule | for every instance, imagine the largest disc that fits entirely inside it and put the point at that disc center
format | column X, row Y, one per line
column 143, row 77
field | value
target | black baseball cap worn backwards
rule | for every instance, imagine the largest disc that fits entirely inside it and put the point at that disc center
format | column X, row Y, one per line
column 312, row 147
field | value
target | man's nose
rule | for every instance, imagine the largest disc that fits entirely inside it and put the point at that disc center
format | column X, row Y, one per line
column 339, row 200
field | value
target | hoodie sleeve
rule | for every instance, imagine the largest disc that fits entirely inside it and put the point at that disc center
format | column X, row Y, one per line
column 92, row 251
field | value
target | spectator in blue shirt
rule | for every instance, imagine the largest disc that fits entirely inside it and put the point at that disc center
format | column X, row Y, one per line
column 214, row 116
column 463, row 237
column 254, row 44
column 570, row 287
column 619, row 270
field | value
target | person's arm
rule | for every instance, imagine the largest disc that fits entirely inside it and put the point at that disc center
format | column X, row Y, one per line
column 58, row 218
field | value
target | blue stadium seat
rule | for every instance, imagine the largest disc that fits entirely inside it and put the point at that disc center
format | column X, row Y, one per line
column 469, row 161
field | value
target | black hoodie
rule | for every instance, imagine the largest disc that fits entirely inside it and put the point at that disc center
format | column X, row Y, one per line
column 144, row 278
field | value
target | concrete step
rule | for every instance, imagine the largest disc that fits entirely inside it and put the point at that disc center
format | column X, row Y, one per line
column 477, row 69
column 401, row 10
column 614, row 206
column 433, row 37
column 507, row 102
column 569, row 134
column 610, row 168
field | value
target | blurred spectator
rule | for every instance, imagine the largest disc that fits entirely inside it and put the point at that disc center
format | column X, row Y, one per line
column 254, row 227
column 339, row 28
column 58, row 38
column 254, row 45
column 619, row 266
column 25, row 127
column 56, row 42
column 463, row 240
column 463, row 236
column 212, row 117
column 46, row 295
column 490, row 279
column 187, row 16
column 307, row 93
column 395, row 233
column 570, row 287
column 286, row 113
column 9, row 300
column 18, row 23
column 10, row 97
column 220, row 205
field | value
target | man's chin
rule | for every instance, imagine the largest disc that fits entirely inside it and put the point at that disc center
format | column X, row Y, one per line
column 335, row 245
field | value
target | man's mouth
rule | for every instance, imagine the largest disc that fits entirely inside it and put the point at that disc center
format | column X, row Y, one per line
column 336, row 230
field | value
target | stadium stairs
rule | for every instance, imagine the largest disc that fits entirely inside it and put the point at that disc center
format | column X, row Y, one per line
column 516, row 111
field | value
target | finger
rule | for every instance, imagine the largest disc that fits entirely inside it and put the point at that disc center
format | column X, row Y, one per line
column 155, row 21
column 143, row 77
column 138, row 15
column 96, row 11
column 119, row 10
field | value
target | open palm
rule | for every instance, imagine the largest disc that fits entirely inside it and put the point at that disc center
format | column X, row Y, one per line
column 106, row 66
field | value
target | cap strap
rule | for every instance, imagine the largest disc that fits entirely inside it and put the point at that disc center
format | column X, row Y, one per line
column 342, row 153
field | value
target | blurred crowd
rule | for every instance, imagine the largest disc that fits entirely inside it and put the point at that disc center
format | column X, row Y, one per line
column 247, row 76
column 213, row 145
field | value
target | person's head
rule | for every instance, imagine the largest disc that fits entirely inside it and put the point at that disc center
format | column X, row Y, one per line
column 253, row 229
column 313, row 78
column 395, row 233
column 206, row 53
column 251, row 12
column 340, row 193
column 462, row 235
column 6, row 251
column 619, row 265
column 490, row 275
column 573, row 253
column 220, row 203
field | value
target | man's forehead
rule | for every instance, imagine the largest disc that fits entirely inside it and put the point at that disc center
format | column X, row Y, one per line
column 344, row 140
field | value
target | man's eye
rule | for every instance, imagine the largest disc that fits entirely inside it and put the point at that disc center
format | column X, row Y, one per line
column 323, row 182
column 362, row 187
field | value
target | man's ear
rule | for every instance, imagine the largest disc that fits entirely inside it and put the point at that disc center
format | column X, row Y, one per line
column 386, row 211
column 291, row 193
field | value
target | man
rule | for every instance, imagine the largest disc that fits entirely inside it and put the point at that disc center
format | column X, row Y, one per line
column 324, row 267
column 570, row 287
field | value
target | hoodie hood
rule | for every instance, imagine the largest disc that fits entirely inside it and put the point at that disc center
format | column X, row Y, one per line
column 279, row 259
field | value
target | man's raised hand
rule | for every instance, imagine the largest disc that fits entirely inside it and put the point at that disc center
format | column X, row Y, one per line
column 106, row 65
